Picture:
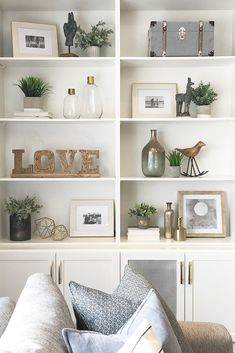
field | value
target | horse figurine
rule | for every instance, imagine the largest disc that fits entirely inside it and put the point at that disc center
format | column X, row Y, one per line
column 184, row 98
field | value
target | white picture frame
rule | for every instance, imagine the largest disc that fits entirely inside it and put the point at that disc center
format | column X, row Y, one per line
column 153, row 100
column 92, row 218
column 203, row 213
column 34, row 40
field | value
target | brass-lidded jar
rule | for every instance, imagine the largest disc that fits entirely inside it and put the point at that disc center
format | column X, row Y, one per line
column 153, row 157
column 180, row 233
column 169, row 229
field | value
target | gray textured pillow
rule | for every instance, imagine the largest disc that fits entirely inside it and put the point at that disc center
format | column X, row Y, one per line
column 135, row 287
column 38, row 319
column 151, row 309
column 7, row 307
column 99, row 311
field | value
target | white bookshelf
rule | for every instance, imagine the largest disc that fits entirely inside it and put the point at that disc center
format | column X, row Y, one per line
column 119, row 137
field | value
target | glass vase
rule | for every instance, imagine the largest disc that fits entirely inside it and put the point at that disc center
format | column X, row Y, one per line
column 153, row 157
column 169, row 222
column 71, row 105
column 91, row 102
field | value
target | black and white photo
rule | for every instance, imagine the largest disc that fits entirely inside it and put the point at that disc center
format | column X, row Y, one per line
column 35, row 41
column 202, row 213
column 91, row 218
column 154, row 102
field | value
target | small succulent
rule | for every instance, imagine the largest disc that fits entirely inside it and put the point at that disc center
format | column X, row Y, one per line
column 142, row 210
column 22, row 208
column 98, row 36
column 203, row 94
column 175, row 158
column 33, row 86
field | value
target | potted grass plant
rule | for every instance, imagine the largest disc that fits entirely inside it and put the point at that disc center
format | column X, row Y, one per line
column 175, row 159
column 203, row 96
column 143, row 212
column 34, row 89
column 20, row 211
column 92, row 41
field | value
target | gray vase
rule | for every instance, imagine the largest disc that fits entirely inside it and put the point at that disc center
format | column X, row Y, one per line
column 153, row 157
column 142, row 222
column 174, row 172
column 33, row 103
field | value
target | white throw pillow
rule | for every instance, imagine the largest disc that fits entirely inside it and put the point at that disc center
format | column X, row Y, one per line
column 7, row 307
column 142, row 341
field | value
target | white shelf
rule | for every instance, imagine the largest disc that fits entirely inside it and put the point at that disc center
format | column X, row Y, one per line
column 179, row 5
column 56, row 120
column 176, row 180
column 55, row 5
column 147, row 62
column 57, row 62
column 38, row 180
column 177, row 120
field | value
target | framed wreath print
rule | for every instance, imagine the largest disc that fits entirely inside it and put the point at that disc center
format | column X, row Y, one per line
column 153, row 100
column 33, row 39
column 203, row 213
column 92, row 218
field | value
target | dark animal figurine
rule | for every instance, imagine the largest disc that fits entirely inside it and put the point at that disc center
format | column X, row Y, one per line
column 184, row 99
column 191, row 153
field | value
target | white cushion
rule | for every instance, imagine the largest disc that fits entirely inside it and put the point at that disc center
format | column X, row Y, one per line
column 38, row 319
column 6, row 309
column 142, row 341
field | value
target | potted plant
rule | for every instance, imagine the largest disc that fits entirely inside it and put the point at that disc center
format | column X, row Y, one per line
column 143, row 212
column 175, row 159
column 203, row 96
column 95, row 39
column 34, row 89
column 20, row 216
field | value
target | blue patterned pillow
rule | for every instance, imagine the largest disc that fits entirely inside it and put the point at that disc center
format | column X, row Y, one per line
column 98, row 311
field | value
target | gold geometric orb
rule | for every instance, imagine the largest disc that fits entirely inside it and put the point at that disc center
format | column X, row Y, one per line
column 60, row 232
column 44, row 227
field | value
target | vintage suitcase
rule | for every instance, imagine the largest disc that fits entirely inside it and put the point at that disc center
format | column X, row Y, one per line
column 181, row 38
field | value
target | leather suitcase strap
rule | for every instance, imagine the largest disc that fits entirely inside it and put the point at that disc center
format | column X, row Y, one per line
column 200, row 38
column 164, row 37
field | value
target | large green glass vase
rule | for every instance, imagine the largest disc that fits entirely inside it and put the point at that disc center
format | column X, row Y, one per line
column 153, row 157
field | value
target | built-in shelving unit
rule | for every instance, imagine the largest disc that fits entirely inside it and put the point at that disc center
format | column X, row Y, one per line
column 119, row 137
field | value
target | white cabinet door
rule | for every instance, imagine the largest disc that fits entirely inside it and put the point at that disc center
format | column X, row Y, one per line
column 164, row 270
column 210, row 288
column 16, row 266
column 95, row 269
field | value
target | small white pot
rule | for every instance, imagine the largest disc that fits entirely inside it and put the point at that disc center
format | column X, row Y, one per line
column 33, row 103
column 174, row 172
column 203, row 111
column 93, row 51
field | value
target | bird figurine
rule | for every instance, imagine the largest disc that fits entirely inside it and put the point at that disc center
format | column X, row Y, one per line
column 192, row 165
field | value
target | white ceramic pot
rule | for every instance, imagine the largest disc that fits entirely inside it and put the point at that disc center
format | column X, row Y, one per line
column 93, row 51
column 174, row 172
column 203, row 111
column 33, row 103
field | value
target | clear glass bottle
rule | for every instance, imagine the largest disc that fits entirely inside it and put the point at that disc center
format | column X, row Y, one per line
column 91, row 102
column 71, row 105
column 169, row 222
column 153, row 157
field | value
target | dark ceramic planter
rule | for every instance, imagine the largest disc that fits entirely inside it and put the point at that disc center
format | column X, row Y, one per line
column 20, row 229
column 142, row 222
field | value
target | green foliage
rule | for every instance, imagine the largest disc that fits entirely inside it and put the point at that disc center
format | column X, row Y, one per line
column 203, row 94
column 98, row 36
column 142, row 210
column 33, row 86
column 22, row 208
column 175, row 158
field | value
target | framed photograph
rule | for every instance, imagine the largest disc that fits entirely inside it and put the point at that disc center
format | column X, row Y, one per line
column 203, row 213
column 153, row 100
column 92, row 218
column 32, row 39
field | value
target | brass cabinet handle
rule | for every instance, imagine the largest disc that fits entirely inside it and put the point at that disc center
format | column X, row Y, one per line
column 51, row 269
column 60, row 273
column 190, row 273
column 181, row 272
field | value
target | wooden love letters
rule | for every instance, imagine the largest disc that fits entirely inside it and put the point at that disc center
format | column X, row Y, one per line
column 45, row 164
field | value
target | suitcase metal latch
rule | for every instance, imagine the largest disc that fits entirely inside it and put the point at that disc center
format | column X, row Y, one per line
column 182, row 33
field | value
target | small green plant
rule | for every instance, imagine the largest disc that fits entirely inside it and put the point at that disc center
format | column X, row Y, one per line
column 22, row 208
column 203, row 94
column 142, row 210
column 33, row 86
column 175, row 158
column 98, row 36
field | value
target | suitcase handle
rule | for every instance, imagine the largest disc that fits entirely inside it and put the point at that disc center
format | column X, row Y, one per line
column 164, row 37
column 200, row 38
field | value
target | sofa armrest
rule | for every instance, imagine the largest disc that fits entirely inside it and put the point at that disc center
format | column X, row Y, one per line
column 207, row 337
